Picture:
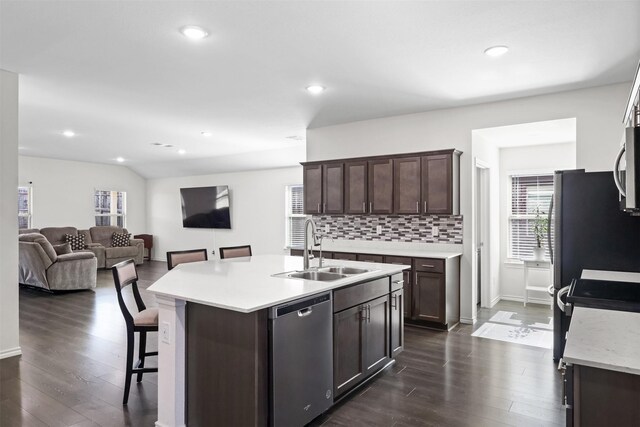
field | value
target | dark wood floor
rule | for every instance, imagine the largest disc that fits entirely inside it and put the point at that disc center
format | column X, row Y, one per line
column 71, row 372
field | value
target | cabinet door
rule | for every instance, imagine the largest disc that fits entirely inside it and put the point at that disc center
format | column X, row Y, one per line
column 380, row 186
column 369, row 258
column 345, row 256
column 437, row 184
column 406, row 185
column 429, row 297
column 376, row 334
column 347, row 349
column 407, row 276
column 332, row 189
column 355, row 187
column 312, row 181
column 397, row 322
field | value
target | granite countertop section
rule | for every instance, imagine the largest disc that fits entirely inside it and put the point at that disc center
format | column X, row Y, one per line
column 247, row 284
column 605, row 339
column 408, row 250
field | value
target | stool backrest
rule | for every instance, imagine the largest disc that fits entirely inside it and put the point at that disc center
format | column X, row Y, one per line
column 181, row 257
column 235, row 251
column 125, row 274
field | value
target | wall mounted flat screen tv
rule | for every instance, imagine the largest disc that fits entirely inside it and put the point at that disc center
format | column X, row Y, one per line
column 205, row 207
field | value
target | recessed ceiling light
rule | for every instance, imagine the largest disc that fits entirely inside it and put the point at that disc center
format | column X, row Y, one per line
column 167, row 145
column 295, row 137
column 182, row 151
column 119, row 159
column 194, row 32
column 315, row 89
column 495, row 51
column 205, row 133
column 69, row 133
column 156, row 143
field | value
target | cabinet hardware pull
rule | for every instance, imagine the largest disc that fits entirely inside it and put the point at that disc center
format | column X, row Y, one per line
column 393, row 301
column 425, row 206
column 364, row 207
column 428, row 266
column 318, row 207
column 370, row 207
column 324, row 207
column 417, row 207
column 369, row 313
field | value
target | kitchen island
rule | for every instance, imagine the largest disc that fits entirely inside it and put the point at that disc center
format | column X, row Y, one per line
column 215, row 320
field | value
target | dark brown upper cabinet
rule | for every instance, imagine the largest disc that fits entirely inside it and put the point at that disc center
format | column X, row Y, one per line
column 355, row 187
column 406, row 185
column 441, row 184
column 333, row 188
column 380, row 186
column 312, row 181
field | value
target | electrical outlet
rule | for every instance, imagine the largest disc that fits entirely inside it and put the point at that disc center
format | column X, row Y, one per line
column 326, row 228
column 165, row 329
column 435, row 231
column 379, row 229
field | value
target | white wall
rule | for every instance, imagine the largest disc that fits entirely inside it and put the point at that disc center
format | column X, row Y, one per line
column 257, row 212
column 9, row 340
column 599, row 129
column 488, row 155
column 63, row 191
column 533, row 159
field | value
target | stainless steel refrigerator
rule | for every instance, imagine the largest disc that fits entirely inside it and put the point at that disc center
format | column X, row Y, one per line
column 591, row 232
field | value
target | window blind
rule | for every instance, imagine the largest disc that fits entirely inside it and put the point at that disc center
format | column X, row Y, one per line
column 528, row 193
column 295, row 216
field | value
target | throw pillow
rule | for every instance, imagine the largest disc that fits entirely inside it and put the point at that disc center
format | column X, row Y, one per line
column 62, row 249
column 76, row 242
column 120, row 240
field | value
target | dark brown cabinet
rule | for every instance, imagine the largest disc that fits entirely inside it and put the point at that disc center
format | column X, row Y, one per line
column 428, row 297
column 396, row 322
column 406, row 185
column 376, row 335
column 348, row 346
column 332, row 188
column 380, row 186
column 355, row 188
column 440, row 184
column 344, row 255
column 369, row 258
column 312, row 181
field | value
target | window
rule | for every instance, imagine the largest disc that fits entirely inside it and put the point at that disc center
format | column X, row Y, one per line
column 110, row 207
column 294, row 233
column 24, row 207
column 528, row 193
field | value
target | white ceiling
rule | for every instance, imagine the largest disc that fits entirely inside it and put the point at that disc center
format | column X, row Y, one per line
column 122, row 77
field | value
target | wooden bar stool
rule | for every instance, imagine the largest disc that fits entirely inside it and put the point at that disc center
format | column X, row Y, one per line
column 235, row 251
column 181, row 257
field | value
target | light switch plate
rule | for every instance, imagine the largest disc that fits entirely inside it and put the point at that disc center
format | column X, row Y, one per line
column 165, row 329
column 379, row 229
column 435, row 231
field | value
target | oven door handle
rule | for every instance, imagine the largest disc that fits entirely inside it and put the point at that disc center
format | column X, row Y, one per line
column 562, row 306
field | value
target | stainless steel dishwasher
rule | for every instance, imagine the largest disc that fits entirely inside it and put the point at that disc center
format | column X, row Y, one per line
column 301, row 359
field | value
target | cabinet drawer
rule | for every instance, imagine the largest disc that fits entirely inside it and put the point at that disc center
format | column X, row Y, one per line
column 344, row 255
column 370, row 258
column 358, row 294
column 429, row 264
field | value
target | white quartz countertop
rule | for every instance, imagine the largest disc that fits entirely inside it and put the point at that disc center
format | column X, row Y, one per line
column 605, row 339
column 412, row 253
column 616, row 276
column 247, row 284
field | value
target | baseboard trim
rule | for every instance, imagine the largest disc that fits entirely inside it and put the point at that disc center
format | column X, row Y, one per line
column 495, row 301
column 11, row 352
column 467, row 320
column 542, row 301
column 159, row 424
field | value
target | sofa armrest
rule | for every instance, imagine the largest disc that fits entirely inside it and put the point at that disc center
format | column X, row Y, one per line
column 136, row 242
column 75, row 256
column 93, row 245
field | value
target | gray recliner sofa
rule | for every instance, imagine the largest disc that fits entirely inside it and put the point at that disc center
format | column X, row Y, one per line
column 40, row 266
column 98, row 241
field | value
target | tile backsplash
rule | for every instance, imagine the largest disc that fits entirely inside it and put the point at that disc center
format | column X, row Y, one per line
column 395, row 228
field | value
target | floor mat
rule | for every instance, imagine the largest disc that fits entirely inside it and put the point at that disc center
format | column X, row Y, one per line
column 525, row 335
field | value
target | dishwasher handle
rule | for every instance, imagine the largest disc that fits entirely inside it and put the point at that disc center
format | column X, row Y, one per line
column 305, row 312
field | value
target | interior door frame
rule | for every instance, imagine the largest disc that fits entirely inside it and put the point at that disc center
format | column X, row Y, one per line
column 482, row 213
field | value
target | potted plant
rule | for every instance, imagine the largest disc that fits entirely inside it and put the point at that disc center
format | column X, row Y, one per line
column 539, row 229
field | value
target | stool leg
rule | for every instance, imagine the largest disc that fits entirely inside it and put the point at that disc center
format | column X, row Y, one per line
column 141, row 351
column 127, row 380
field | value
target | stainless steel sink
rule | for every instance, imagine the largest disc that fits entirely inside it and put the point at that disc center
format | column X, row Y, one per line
column 344, row 270
column 321, row 276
